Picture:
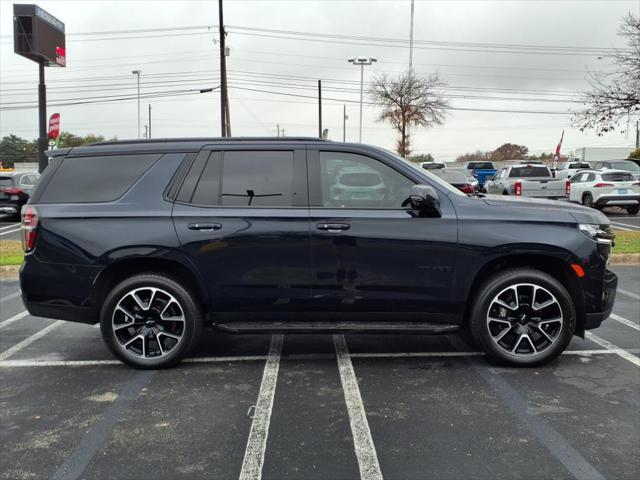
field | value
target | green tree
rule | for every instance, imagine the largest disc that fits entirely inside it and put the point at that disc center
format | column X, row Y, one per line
column 422, row 158
column 68, row 139
column 635, row 155
column 13, row 149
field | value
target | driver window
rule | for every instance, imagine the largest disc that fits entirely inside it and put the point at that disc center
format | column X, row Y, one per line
column 349, row 180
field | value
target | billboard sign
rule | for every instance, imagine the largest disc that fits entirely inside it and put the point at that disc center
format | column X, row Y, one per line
column 38, row 35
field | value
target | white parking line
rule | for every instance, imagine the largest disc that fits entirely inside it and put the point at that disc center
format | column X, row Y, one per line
column 10, row 297
column 10, row 231
column 6, row 227
column 28, row 341
column 362, row 441
column 633, row 227
column 629, row 294
column 15, row 318
column 624, row 321
column 92, row 363
column 610, row 346
column 257, row 442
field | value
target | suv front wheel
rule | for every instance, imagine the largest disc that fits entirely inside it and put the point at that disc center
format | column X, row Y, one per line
column 150, row 321
column 522, row 317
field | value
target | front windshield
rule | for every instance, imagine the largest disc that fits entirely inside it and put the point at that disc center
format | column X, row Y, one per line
column 432, row 177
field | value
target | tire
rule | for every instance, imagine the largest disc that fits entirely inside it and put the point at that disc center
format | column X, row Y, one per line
column 587, row 200
column 539, row 337
column 164, row 317
column 633, row 210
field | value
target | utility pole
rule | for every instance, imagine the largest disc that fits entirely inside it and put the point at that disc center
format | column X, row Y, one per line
column 149, row 122
column 43, row 141
column 411, row 40
column 223, row 74
column 637, row 133
column 278, row 129
column 146, row 131
column 137, row 73
column 344, row 123
column 319, row 108
column 362, row 61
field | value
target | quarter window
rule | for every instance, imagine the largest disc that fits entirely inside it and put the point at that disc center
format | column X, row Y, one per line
column 349, row 180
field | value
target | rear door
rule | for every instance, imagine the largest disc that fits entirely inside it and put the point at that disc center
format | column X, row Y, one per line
column 242, row 215
column 368, row 252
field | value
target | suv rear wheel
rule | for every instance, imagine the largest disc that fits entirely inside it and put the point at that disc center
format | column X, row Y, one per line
column 150, row 321
column 587, row 200
column 522, row 317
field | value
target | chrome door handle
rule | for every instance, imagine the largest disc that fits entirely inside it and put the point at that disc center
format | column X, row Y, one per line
column 333, row 227
column 205, row 226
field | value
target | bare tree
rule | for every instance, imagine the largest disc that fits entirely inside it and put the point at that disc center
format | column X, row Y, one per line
column 615, row 95
column 409, row 100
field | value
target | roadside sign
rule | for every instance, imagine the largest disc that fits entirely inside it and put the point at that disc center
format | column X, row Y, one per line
column 54, row 126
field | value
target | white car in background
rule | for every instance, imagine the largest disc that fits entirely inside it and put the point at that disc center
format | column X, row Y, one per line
column 569, row 169
column 608, row 188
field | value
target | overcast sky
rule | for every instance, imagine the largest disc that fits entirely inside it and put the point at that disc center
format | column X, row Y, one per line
column 285, row 67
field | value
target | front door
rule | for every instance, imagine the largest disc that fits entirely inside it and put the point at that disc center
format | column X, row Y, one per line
column 242, row 217
column 369, row 253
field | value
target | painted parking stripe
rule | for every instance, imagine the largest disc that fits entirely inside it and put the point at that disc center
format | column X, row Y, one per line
column 610, row 346
column 634, row 227
column 28, row 341
column 555, row 443
column 259, row 358
column 257, row 442
column 624, row 321
column 10, row 231
column 15, row 318
column 91, row 443
column 629, row 294
column 10, row 297
column 6, row 227
column 362, row 441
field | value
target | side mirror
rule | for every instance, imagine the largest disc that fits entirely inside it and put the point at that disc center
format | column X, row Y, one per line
column 424, row 198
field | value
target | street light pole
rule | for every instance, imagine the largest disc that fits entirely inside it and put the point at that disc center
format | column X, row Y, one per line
column 362, row 61
column 137, row 73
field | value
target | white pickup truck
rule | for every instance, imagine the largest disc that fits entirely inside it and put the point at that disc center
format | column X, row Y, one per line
column 569, row 169
column 527, row 180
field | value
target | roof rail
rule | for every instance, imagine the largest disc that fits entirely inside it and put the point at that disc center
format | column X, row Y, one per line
column 211, row 139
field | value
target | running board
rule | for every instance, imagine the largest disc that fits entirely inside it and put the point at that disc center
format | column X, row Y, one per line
column 333, row 327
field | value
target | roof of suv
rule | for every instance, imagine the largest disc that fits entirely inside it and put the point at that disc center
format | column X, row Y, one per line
column 174, row 144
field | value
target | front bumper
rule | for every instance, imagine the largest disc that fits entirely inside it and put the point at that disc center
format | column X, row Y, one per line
column 609, row 287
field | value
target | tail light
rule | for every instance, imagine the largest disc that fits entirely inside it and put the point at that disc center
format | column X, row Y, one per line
column 517, row 188
column 467, row 188
column 601, row 185
column 13, row 191
column 29, row 228
column 567, row 188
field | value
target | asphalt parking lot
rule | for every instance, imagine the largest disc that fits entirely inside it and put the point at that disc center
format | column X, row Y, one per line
column 317, row 406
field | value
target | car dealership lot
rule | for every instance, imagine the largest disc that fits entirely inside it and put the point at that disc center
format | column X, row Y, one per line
column 392, row 406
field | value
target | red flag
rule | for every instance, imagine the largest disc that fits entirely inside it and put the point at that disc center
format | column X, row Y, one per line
column 559, row 145
column 54, row 126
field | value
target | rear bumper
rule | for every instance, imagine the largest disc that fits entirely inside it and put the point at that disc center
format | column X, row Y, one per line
column 609, row 286
column 9, row 208
column 58, row 291
column 606, row 200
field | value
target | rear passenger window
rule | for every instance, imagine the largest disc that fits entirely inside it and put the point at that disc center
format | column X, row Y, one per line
column 96, row 179
column 259, row 179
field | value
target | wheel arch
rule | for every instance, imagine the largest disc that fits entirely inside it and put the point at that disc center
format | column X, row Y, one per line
column 552, row 265
column 119, row 270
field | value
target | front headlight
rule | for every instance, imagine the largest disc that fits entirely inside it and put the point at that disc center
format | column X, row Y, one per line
column 600, row 234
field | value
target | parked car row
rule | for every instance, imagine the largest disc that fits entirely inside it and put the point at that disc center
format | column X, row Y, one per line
column 15, row 189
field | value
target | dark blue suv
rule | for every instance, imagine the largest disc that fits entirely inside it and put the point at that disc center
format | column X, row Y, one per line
column 156, row 239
